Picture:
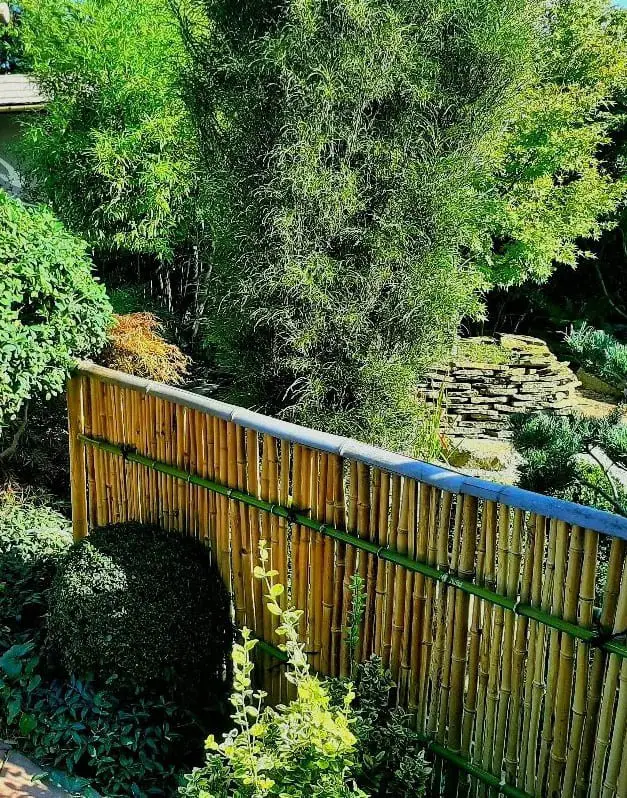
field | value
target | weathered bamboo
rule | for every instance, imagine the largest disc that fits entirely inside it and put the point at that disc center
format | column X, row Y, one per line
column 390, row 572
column 339, row 557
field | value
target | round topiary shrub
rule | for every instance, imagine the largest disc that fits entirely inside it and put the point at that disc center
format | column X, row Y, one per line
column 144, row 608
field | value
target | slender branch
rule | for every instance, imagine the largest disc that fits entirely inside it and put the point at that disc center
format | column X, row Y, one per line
column 608, row 497
column 606, row 471
column 606, row 292
column 12, row 447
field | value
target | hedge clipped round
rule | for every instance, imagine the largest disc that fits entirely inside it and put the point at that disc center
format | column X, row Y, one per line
column 144, row 608
column 52, row 309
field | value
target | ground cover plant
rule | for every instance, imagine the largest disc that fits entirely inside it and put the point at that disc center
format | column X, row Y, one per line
column 52, row 309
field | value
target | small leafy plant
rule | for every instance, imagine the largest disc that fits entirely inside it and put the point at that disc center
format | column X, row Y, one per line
column 306, row 747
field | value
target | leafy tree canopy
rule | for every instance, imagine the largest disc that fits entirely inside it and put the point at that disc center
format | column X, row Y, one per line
column 114, row 154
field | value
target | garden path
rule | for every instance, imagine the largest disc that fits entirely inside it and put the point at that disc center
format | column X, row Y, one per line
column 16, row 777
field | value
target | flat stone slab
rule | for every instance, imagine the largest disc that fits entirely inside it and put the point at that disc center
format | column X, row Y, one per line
column 16, row 777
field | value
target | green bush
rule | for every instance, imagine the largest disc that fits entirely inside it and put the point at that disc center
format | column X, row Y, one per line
column 391, row 756
column 600, row 353
column 33, row 537
column 303, row 748
column 144, row 608
column 572, row 457
column 52, row 310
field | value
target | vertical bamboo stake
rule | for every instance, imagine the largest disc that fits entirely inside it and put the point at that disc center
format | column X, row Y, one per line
column 390, row 573
column 420, row 621
column 579, row 708
column 564, row 604
column 252, row 465
column 494, row 643
column 78, row 465
column 561, row 707
column 303, row 584
column 472, row 679
column 440, row 612
column 245, row 526
column 445, row 683
column 365, row 568
column 338, row 553
column 428, row 624
column 519, row 651
column 399, row 593
column 382, row 538
column 535, row 670
column 593, row 703
column 609, row 695
column 235, row 526
column 460, row 634
column 89, row 453
column 349, row 568
column 368, row 645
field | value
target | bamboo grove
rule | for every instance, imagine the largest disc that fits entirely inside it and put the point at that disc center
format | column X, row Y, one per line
column 502, row 632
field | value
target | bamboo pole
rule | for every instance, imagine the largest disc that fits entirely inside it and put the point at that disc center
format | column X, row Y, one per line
column 338, row 555
column 350, row 565
column 597, row 669
column 390, row 572
column 608, row 699
column 78, row 465
column 406, row 637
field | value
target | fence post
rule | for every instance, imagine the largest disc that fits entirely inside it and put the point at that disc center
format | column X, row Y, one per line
column 78, row 472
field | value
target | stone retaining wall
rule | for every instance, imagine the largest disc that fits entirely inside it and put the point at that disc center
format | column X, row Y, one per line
column 480, row 397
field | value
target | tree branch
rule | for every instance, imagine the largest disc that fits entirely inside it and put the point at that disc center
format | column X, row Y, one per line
column 12, row 447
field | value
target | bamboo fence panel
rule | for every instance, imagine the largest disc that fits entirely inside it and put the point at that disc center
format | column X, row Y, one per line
column 479, row 599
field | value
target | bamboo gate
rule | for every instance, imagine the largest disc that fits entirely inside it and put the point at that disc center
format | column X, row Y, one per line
column 481, row 598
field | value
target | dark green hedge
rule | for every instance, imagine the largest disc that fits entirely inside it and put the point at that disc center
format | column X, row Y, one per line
column 143, row 608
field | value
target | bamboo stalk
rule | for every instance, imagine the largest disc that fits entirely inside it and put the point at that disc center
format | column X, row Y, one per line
column 339, row 556
column 350, row 565
column 519, row 653
column 390, row 572
column 445, row 683
column 608, row 699
column 381, row 526
column 78, row 465
column 406, row 639
column 595, row 681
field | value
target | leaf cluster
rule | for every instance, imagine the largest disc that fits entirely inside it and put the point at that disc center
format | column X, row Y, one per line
column 303, row 748
column 121, row 608
column 52, row 309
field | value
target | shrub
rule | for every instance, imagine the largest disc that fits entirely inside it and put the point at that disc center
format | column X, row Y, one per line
column 33, row 537
column 52, row 310
column 144, row 608
column 345, row 145
column 11, row 45
column 122, row 747
column 600, row 353
column 572, row 457
column 136, row 346
column 303, row 748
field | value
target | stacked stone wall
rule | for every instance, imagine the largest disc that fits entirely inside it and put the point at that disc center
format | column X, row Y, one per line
column 480, row 397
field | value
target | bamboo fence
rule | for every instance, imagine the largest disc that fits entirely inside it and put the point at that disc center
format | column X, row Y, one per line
column 480, row 598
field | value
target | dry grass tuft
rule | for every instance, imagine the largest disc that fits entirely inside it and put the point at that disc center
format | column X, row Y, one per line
column 136, row 346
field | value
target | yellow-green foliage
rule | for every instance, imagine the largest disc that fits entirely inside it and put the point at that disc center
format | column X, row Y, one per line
column 303, row 748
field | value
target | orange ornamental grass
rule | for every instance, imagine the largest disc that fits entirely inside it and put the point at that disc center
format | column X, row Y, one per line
column 136, row 346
